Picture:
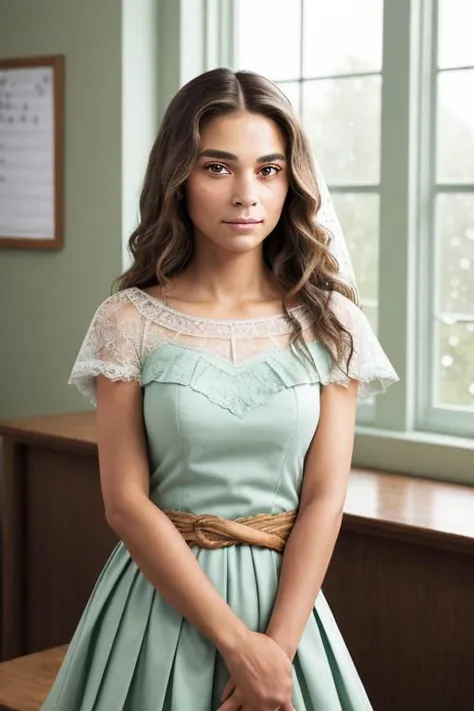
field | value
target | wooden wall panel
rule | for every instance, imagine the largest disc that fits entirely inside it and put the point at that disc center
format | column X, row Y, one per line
column 406, row 614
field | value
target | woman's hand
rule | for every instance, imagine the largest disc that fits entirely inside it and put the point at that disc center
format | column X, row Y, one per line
column 229, row 690
column 261, row 675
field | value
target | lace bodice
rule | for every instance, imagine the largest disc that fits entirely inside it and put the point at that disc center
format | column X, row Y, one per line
column 132, row 326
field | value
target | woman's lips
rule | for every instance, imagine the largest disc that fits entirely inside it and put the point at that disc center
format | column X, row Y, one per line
column 242, row 224
column 243, row 220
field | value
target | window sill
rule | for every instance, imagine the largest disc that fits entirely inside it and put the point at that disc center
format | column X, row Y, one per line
column 418, row 511
column 419, row 454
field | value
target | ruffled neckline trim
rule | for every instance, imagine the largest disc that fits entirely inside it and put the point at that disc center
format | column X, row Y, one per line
column 163, row 315
column 206, row 319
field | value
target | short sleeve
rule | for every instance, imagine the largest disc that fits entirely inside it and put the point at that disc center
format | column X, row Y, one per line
column 111, row 346
column 369, row 363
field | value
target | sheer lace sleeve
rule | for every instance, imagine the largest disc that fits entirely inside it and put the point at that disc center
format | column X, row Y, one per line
column 111, row 347
column 369, row 364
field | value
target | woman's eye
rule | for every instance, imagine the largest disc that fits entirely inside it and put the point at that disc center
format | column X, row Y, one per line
column 266, row 171
column 216, row 169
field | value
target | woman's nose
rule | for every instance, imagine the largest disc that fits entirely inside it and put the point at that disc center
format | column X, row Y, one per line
column 245, row 201
column 244, row 193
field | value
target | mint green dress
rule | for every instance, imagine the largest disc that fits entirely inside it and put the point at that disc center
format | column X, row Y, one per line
column 230, row 411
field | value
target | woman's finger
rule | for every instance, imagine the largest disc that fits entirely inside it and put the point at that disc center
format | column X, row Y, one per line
column 233, row 703
column 228, row 689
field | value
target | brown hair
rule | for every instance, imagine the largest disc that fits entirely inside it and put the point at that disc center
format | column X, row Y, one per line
column 297, row 251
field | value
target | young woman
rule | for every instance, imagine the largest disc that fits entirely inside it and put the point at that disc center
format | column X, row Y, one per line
column 225, row 370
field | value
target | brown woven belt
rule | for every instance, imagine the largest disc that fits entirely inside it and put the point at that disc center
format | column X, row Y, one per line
column 209, row 531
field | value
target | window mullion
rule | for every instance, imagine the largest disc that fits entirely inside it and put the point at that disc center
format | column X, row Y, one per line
column 427, row 252
column 195, row 35
column 220, row 33
column 397, row 200
column 169, row 13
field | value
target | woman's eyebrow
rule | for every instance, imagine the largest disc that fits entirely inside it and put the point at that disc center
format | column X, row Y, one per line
column 224, row 155
column 271, row 157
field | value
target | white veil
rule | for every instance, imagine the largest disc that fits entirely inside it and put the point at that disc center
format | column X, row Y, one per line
column 327, row 218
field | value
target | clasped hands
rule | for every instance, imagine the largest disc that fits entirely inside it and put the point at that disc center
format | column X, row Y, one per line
column 261, row 677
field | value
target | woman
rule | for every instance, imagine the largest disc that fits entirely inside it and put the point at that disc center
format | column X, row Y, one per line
column 226, row 371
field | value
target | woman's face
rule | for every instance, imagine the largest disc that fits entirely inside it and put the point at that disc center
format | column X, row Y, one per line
column 236, row 191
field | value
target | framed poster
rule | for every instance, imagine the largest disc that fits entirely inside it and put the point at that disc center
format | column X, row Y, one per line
column 32, row 152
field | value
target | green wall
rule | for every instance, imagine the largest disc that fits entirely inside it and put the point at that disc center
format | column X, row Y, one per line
column 47, row 299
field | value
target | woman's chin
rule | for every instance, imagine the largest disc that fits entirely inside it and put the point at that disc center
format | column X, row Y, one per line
column 248, row 239
column 233, row 242
column 242, row 243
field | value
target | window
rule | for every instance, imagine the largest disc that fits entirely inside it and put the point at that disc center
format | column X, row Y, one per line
column 397, row 152
column 335, row 87
column 450, row 191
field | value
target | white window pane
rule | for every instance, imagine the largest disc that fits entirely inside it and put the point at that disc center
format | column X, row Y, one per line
column 455, row 162
column 455, row 239
column 292, row 90
column 342, row 37
column 455, row 23
column 359, row 218
column 342, row 120
column 268, row 37
column 454, row 365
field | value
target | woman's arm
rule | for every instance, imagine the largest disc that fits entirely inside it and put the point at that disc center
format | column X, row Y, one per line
column 312, row 540
column 152, row 540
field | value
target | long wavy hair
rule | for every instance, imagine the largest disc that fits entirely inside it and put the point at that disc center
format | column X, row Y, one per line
column 297, row 250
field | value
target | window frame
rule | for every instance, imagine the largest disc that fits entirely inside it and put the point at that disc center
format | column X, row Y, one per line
column 404, row 436
column 431, row 417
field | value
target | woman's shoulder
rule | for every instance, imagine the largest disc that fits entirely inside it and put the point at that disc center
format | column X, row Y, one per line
column 127, row 306
column 346, row 310
column 112, row 344
column 121, row 302
column 369, row 363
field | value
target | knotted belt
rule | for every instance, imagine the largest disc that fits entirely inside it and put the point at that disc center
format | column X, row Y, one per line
column 209, row 531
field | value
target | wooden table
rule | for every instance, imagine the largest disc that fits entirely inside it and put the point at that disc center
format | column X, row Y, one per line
column 25, row 682
column 400, row 583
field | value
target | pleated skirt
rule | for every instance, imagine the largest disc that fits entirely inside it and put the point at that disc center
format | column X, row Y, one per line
column 132, row 651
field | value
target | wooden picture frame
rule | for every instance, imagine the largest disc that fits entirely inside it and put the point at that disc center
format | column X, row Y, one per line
column 32, row 152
